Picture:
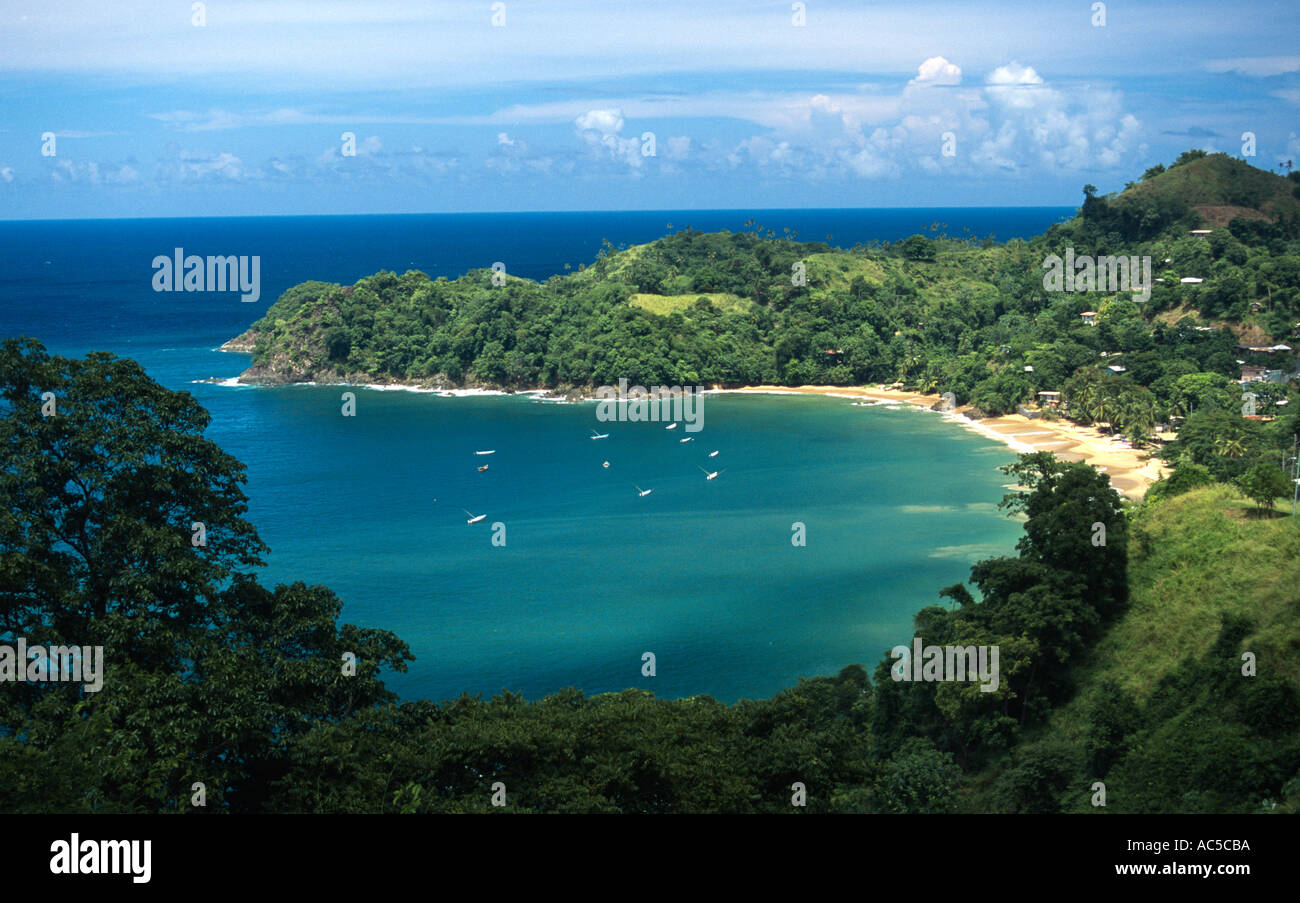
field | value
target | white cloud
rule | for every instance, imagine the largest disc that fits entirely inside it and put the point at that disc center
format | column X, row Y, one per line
column 91, row 172
column 607, row 122
column 1014, row 85
column 937, row 71
column 198, row 165
column 868, row 163
column 1013, row 122
column 1036, row 125
column 600, row 131
column 1014, row 74
column 513, row 155
column 6, row 173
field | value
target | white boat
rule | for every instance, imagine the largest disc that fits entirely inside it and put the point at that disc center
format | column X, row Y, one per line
column 473, row 518
column 710, row 476
column 642, row 492
column 490, row 451
column 596, row 435
column 671, row 426
column 687, row 439
column 713, row 454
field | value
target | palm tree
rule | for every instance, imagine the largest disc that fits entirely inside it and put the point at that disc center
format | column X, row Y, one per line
column 1179, row 406
column 1230, row 446
column 1134, row 414
column 1082, row 400
column 911, row 358
column 1091, row 395
column 1105, row 407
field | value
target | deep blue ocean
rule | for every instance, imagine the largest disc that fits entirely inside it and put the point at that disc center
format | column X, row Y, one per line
column 896, row 504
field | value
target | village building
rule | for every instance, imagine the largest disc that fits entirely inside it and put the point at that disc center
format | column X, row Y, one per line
column 1251, row 373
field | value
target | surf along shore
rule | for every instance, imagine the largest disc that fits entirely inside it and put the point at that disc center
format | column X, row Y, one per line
column 1130, row 471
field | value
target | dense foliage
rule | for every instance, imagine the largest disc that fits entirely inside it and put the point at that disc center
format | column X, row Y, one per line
column 1121, row 630
column 938, row 314
column 212, row 677
column 215, row 679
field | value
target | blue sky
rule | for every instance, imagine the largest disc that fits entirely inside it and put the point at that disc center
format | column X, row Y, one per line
column 556, row 108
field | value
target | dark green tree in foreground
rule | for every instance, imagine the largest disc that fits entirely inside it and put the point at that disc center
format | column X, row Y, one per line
column 1076, row 525
column 213, row 679
column 121, row 526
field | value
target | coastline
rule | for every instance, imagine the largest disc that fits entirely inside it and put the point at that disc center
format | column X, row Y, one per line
column 1130, row 473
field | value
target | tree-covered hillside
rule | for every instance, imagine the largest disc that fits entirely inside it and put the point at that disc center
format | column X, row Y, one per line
column 938, row 313
column 1120, row 662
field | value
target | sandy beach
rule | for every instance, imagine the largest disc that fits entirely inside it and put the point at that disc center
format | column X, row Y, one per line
column 1130, row 472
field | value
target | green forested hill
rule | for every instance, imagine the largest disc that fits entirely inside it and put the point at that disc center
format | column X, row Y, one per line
column 1218, row 180
column 1138, row 686
column 1119, row 663
column 1145, row 695
column 1163, row 713
column 940, row 314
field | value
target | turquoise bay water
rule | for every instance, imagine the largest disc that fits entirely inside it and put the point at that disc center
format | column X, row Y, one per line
column 897, row 503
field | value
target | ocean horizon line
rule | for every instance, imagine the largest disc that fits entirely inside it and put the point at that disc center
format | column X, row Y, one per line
column 575, row 212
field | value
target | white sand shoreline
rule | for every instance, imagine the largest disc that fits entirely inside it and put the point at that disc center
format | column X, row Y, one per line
column 1130, row 474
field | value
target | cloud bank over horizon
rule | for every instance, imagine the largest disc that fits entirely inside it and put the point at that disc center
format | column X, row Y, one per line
column 242, row 108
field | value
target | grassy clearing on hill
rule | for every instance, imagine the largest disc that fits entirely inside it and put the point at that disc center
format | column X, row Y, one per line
column 663, row 305
column 1218, row 180
column 1163, row 715
column 1193, row 559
